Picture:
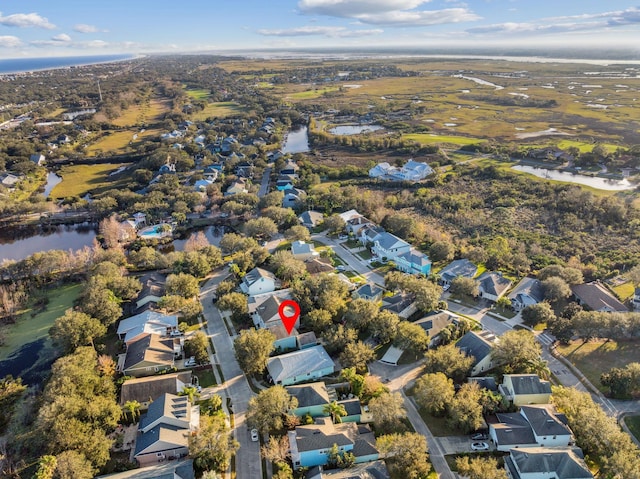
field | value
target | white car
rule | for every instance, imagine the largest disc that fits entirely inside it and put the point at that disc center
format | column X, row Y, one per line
column 254, row 435
column 190, row 362
column 480, row 446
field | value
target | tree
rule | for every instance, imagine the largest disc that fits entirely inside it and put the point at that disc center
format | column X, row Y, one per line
column 261, row 228
column 407, row 453
column 465, row 411
column 359, row 313
column 335, row 410
column 441, row 251
column 297, row 233
column 212, row 445
column 383, row 326
column 133, row 408
column 101, row 303
column 561, row 328
column 387, row 411
column 46, row 467
column 191, row 392
column 182, row 284
column 287, row 267
column 75, row 329
column 252, row 349
column 555, row 289
column 622, row 382
column 356, row 381
column 412, row 338
column 234, row 302
column 517, row 351
column 357, row 355
column 480, row 468
column 276, row 449
column 463, row 286
column 334, row 224
column 450, row 361
column 267, row 410
column 194, row 263
column 434, row 392
column 73, row 465
column 318, row 320
column 538, row 313
column 196, row 346
column 196, row 242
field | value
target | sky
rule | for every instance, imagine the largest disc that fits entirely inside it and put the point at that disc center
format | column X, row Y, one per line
column 41, row 28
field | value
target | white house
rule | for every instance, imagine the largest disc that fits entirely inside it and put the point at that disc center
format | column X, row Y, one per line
column 458, row 267
column 298, row 366
column 264, row 308
column 201, row 185
column 293, row 198
column 389, row 246
column 38, row 159
column 411, row 171
column 382, row 170
column 258, row 281
column 146, row 322
column 303, row 251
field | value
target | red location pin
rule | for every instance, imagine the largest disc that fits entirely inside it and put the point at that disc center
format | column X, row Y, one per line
column 289, row 321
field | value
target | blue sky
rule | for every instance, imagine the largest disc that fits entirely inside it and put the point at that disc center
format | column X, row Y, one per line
column 37, row 28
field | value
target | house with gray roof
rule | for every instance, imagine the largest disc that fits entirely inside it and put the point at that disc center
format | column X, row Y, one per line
column 552, row 462
column 368, row 470
column 310, row 445
column 368, row 291
column 311, row 219
column 478, row 345
column 144, row 390
column 458, row 267
column 182, row 469
column 527, row 293
column 312, row 398
column 153, row 288
column 293, row 198
column 258, row 281
column 299, row 366
column 39, row 159
column 492, row 285
column 148, row 322
column 595, row 297
column 263, row 308
column 523, row 389
column 369, row 234
column 149, row 354
column 389, row 246
column 488, row 382
column 402, row 304
column 303, row 251
column 435, row 322
column 163, row 433
column 413, row 262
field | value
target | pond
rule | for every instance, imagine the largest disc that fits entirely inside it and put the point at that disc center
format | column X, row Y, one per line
column 213, row 234
column 18, row 243
column 297, row 141
column 594, row 182
column 52, row 181
column 354, row 129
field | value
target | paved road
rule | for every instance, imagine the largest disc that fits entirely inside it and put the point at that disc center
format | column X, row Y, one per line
column 264, row 185
column 248, row 462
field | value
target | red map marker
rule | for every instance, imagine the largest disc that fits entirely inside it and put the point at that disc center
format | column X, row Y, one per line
column 289, row 321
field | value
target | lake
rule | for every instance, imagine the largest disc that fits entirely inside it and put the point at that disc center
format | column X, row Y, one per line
column 297, row 141
column 592, row 181
column 52, row 181
column 213, row 234
column 354, row 129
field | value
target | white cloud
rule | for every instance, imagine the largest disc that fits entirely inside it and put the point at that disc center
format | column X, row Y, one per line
column 9, row 41
column 420, row 18
column 24, row 20
column 63, row 37
column 354, row 8
column 331, row 32
column 84, row 28
column 96, row 44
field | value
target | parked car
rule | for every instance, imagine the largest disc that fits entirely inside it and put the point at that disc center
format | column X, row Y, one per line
column 479, row 436
column 190, row 362
column 254, row 435
column 341, row 267
column 480, row 446
column 343, row 237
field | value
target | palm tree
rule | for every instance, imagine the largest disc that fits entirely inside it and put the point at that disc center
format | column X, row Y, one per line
column 134, row 409
column 191, row 392
column 335, row 410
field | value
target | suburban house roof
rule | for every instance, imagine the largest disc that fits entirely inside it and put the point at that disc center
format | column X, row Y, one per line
column 318, row 265
column 305, row 339
column 365, row 470
column 544, row 420
column 564, row 462
column 597, row 298
column 301, row 247
column 352, row 406
column 312, row 394
column 149, row 348
column 153, row 284
column 416, row 258
column 141, row 389
column 459, row 267
column 256, row 274
column 324, row 434
column 371, row 232
column 398, row 302
column 493, row 283
column 528, row 384
column 513, row 429
column 146, row 322
column 167, row 408
column 279, row 331
column 436, row 322
column 172, row 470
column 312, row 218
column 488, row 382
column 477, row 344
column 527, row 292
column 387, row 241
column 369, row 290
column 298, row 363
column 349, row 215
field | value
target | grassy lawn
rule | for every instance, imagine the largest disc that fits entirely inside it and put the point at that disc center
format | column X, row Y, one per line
column 206, row 377
column 505, row 312
column 438, row 425
column 148, row 111
column 429, row 139
column 29, row 328
column 624, row 291
column 77, row 180
column 198, row 93
column 310, row 94
column 118, row 140
column 633, row 423
column 365, row 254
column 218, row 109
column 596, row 357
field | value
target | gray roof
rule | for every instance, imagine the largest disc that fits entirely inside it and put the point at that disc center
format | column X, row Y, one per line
column 416, row 257
column 270, row 308
column 597, row 297
column 257, row 274
column 324, row 434
column 167, row 406
column 165, row 434
column 488, row 382
column 149, row 347
column 543, row 420
column 529, row 384
column 459, row 267
column 172, row 470
column 388, row 241
column 141, row 389
column 477, row 344
column 493, row 283
column 565, row 462
column 369, row 290
column 530, row 287
column 307, row 338
column 352, row 406
column 146, row 322
column 312, row 394
column 513, row 429
column 300, row 247
column 398, row 302
column 311, row 217
column 436, row 322
column 298, row 363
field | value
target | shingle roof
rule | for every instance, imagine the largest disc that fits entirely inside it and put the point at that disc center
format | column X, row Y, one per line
column 513, row 429
column 166, row 435
column 257, row 274
column 352, row 406
column 388, row 241
column 565, row 462
column 544, row 421
column 312, row 394
column 300, row 247
column 488, row 382
column 494, row 283
column 369, row 290
column 529, row 384
column 324, row 435
column 307, row 338
column 156, row 322
column 398, row 302
column 415, row 257
column 168, row 406
column 459, row 267
column 298, row 363
column 434, row 323
column 141, row 389
column 149, row 347
column 597, row 297
column 311, row 217
column 477, row 344
column 530, row 287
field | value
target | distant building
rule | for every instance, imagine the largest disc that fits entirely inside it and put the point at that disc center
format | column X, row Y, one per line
column 411, row 171
column 369, row 291
column 146, row 322
column 38, row 159
column 389, row 246
column 413, row 262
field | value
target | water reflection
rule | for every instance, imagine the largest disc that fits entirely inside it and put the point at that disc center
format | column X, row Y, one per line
column 297, row 141
column 592, row 181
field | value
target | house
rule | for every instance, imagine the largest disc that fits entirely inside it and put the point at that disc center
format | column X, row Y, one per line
column 533, row 426
column 527, row 293
column 145, row 323
column 413, row 262
column 163, row 433
column 290, row 168
column 436, row 322
column 595, row 297
column 284, row 341
column 488, row 383
column 293, row 198
column 303, row 251
column 284, row 182
column 368, row 470
column 356, row 224
column 244, row 169
column 144, row 390
column 523, row 389
column 414, row 171
column 492, row 285
column 459, row 267
column 368, row 234
column 312, row 398
column 140, row 219
column 368, row 291
column 402, row 304
column 258, row 281
column 306, row 340
column 38, row 159
column 551, row 462
column 9, row 180
column 479, row 345
column 310, row 445
column 211, row 172
column 299, row 366
column 389, row 246
column 354, row 410
column 349, row 215
column 311, row 219
column 237, row 187
column 228, row 144
column 153, row 288
column 147, row 355
column 203, row 184
column 182, row 469
column 318, row 265
column 635, row 301
column 264, row 308
column 382, row 170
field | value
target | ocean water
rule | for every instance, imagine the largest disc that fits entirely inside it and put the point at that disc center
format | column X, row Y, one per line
column 17, row 65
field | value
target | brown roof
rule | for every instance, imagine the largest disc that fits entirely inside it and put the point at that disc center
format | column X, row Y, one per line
column 141, row 389
column 597, row 298
column 318, row 265
column 151, row 348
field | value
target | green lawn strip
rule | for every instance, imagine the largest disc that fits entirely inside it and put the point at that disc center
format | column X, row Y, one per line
column 206, row 377
column 624, row 291
column 633, row 423
column 30, row 328
column 428, row 139
column 380, row 350
column 365, row 254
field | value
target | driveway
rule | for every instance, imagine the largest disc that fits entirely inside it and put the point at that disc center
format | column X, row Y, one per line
column 248, row 462
column 264, row 185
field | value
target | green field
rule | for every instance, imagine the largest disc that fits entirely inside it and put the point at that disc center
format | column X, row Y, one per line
column 149, row 111
column 218, row 109
column 624, row 291
column 596, row 357
column 113, row 141
column 429, row 139
column 28, row 328
column 310, row 94
column 584, row 146
column 78, row 180
column 198, row 93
